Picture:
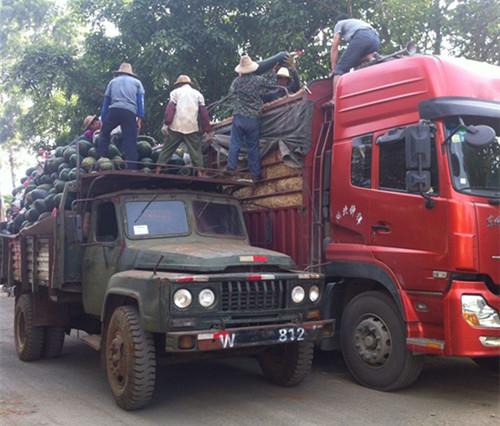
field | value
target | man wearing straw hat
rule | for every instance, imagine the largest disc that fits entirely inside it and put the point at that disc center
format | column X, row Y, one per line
column 246, row 92
column 91, row 124
column 186, row 117
column 123, row 106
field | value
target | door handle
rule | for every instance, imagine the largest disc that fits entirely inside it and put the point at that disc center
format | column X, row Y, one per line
column 381, row 227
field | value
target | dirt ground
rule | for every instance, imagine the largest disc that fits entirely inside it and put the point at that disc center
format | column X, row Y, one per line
column 72, row 390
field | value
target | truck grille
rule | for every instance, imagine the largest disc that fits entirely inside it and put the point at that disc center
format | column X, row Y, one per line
column 253, row 295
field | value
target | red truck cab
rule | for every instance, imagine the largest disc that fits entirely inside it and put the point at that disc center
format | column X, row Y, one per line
column 436, row 259
column 399, row 210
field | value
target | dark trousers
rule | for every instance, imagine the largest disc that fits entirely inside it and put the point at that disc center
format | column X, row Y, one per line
column 245, row 130
column 362, row 43
column 174, row 139
column 127, row 121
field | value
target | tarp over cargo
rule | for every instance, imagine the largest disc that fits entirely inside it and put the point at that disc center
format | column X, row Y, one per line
column 286, row 127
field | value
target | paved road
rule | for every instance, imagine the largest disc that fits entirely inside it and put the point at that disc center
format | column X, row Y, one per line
column 72, row 390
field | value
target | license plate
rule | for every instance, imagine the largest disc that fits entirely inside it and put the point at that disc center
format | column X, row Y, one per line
column 291, row 334
column 226, row 339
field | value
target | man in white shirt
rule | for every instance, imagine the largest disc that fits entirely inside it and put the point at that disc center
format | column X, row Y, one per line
column 187, row 118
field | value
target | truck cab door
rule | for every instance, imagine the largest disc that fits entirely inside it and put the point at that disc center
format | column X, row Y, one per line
column 102, row 255
column 407, row 236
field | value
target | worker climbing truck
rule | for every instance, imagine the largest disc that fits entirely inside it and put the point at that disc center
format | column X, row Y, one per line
column 157, row 265
column 391, row 188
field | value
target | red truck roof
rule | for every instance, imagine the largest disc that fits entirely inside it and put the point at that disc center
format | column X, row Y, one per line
column 369, row 99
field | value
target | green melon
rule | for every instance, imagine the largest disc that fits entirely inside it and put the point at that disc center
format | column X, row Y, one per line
column 72, row 173
column 49, row 202
column 63, row 166
column 44, row 215
column 68, row 152
column 57, row 200
column 38, row 194
column 93, row 153
column 45, row 180
column 84, row 146
column 32, row 215
column 45, row 186
column 88, row 163
column 64, row 175
column 59, row 185
column 104, row 164
column 144, row 149
column 59, row 151
column 119, row 163
column 40, row 206
column 73, row 160
column 113, row 151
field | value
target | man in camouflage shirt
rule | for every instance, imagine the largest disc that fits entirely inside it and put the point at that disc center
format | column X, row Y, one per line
column 246, row 92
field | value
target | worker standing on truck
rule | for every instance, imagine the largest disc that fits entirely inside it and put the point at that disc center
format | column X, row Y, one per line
column 186, row 118
column 246, row 94
column 124, row 106
column 288, row 80
column 363, row 42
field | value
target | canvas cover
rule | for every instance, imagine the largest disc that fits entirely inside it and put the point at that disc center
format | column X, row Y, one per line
column 286, row 128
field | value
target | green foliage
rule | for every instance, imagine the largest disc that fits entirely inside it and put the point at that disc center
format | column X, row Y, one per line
column 59, row 55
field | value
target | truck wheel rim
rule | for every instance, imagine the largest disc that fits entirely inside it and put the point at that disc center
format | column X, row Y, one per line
column 118, row 362
column 20, row 331
column 372, row 340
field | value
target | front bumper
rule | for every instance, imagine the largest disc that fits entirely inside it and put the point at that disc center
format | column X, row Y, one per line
column 244, row 337
column 456, row 337
column 462, row 339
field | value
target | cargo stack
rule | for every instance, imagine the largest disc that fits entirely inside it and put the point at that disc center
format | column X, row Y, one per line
column 40, row 190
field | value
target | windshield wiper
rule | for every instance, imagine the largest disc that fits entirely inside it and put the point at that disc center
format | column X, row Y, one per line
column 146, row 207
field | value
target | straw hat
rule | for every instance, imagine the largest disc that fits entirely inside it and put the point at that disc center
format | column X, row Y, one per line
column 283, row 72
column 183, row 79
column 125, row 68
column 89, row 119
column 246, row 65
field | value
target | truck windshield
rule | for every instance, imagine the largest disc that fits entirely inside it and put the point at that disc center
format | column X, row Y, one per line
column 474, row 170
column 218, row 219
column 156, row 218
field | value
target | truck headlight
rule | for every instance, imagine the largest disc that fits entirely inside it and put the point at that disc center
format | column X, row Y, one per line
column 206, row 298
column 478, row 313
column 314, row 293
column 182, row 298
column 298, row 294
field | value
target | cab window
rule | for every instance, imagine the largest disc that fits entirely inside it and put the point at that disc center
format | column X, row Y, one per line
column 361, row 161
column 156, row 218
column 106, row 226
column 392, row 162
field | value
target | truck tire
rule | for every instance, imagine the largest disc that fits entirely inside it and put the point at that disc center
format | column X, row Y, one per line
column 491, row 363
column 29, row 339
column 54, row 341
column 287, row 364
column 373, row 343
column 130, row 359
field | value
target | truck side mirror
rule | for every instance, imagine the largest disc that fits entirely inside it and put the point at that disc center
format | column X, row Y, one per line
column 418, row 147
column 418, row 141
column 418, row 181
column 479, row 136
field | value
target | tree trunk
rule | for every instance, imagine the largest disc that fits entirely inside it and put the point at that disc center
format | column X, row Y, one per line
column 12, row 166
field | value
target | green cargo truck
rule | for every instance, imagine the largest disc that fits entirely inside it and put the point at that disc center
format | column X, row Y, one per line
column 152, row 266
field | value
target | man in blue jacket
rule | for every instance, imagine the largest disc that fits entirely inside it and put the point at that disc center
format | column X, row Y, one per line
column 123, row 106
